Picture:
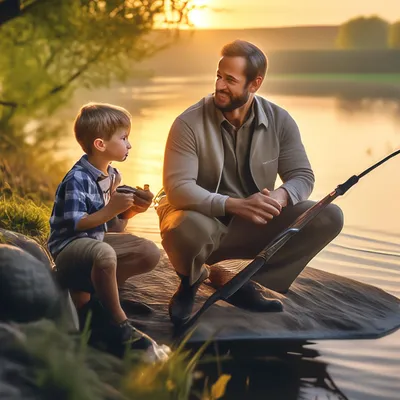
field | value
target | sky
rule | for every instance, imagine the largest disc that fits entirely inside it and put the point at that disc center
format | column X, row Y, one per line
column 274, row 13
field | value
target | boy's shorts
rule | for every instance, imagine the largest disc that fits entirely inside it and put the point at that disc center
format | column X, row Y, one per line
column 75, row 261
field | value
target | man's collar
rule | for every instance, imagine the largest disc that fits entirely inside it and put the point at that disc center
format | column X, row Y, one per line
column 261, row 116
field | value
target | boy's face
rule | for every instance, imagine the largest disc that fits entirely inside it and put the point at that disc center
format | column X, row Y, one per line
column 117, row 148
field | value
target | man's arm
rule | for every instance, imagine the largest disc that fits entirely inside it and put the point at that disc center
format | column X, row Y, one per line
column 180, row 174
column 294, row 167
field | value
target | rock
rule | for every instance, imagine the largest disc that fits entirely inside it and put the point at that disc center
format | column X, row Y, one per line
column 27, row 288
column 319, row 305
column 27, row 244
column 15, row 379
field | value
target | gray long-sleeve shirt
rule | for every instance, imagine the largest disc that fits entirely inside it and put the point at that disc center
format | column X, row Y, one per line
column 194, row 157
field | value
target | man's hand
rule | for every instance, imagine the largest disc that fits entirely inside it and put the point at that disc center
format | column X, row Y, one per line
column 258, row 208
column 280, row 195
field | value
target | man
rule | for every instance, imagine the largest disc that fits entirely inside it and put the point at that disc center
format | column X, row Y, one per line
column 222, row 159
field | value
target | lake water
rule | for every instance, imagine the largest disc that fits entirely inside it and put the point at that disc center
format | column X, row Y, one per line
column 342, row 138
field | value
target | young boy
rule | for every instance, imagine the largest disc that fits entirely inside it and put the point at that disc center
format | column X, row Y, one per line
column 88, row 211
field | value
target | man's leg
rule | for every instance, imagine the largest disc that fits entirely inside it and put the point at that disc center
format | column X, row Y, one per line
column 188, row 238
column 246, row 240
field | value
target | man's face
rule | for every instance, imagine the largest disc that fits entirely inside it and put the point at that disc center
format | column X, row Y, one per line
column 231, row 88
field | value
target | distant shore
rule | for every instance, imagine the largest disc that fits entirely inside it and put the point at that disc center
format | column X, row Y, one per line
column 392, row 79
column 347, row 86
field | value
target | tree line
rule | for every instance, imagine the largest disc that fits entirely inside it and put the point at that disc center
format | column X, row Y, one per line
column 369, row 33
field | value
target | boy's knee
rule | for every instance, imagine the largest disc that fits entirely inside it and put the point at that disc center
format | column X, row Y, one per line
column 151, row 255
column 105, row 257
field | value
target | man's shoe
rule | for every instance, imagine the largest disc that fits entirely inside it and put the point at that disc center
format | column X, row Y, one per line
column 181, row 303
column 251, row 297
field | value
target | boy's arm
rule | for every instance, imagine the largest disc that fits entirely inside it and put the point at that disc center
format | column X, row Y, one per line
column 118, row 203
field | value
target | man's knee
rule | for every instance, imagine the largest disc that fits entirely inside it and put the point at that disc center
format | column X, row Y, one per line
column 187, row 230
column 150, row 256
column 331, row 220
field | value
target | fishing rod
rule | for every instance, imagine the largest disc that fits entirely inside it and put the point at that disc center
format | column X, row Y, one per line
column 234, row 284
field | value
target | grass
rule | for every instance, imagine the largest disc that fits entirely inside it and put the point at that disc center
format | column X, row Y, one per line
column 24, row 216
column 63, row 367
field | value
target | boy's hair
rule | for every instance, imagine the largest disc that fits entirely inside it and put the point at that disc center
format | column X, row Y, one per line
column 99, row 120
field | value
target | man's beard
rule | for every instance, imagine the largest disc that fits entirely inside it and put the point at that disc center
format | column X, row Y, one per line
column 234, row 103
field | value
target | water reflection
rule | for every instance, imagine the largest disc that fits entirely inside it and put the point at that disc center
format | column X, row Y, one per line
column 351, row 106
column 277, row 370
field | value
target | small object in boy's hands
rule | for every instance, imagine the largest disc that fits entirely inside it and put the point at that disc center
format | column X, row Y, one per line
column 126, row 189
column 146, row 187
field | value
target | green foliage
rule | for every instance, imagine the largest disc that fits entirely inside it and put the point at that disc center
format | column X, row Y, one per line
column 24, row 216
column 363, row 33
column 169, row 380
column 59, row 365
column 50, row 50
column 65, row 44
column 394, row 36
column 63, row 367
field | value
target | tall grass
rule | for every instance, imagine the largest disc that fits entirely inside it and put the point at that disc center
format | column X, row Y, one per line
column 63, row 367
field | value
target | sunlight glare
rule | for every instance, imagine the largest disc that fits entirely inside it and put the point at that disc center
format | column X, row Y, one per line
column 199, row 17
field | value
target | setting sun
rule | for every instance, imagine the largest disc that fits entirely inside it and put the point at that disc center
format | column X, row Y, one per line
column 200, row 18
column 200, row 15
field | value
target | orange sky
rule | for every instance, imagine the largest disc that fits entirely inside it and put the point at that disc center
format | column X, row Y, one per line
column 272, row 13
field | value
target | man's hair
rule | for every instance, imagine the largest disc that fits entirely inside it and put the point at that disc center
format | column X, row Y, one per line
column 256, row 60
column 99, row 120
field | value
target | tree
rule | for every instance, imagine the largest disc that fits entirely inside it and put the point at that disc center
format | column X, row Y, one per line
column 394, row 36
column 51, row 48
column 60, row 45
column 363, row 33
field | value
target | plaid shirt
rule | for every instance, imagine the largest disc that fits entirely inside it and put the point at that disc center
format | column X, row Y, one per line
column 78, row 194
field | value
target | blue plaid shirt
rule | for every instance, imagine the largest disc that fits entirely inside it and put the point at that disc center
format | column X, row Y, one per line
column 79, row 194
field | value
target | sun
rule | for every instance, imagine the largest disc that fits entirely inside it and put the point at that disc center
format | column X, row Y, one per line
column 200, row 17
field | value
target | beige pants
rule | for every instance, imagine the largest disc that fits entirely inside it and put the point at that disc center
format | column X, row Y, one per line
column 134, row 256
column 192, row 239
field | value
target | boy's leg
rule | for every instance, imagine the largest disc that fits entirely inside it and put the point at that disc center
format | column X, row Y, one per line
column 135, row 255
column 88, row 265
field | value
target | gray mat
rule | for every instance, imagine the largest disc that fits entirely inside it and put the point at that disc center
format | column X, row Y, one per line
column 319, row 305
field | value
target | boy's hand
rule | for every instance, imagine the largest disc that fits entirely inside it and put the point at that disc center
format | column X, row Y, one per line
column 142, row 201
column 120, row 202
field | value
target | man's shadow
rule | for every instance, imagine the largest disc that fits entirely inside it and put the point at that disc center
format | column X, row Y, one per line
column 275, row 371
